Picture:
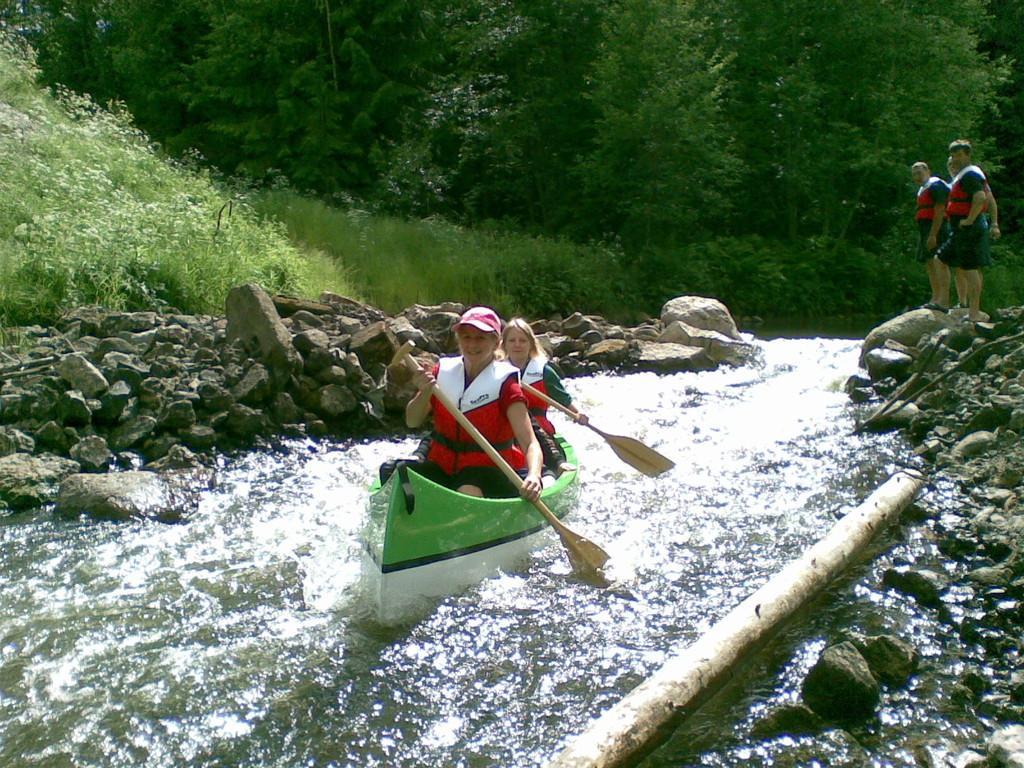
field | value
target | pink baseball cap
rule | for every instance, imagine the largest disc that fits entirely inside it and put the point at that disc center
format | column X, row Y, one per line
column 483, row 318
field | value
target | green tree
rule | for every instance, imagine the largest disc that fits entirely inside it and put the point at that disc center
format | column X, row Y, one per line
column 508, row 115
column 1003, row 39
column 662, row 168
column 833, row 101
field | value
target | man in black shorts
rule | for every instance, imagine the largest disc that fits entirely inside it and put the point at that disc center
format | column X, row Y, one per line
column 932, row 229
column 967, row 248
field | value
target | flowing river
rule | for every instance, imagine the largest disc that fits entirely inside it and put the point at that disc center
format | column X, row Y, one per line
column 240, row 638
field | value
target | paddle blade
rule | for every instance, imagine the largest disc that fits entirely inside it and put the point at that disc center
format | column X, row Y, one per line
column 638, row 455
column 586, row 558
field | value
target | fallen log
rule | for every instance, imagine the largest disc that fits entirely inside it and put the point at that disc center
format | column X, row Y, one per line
column 289, row 305
column 651, row 711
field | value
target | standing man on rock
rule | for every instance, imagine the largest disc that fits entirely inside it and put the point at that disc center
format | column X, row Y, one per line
column 967, row 248
column 932, row 229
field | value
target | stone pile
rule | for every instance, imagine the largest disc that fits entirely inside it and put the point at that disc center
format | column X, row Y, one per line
column 956, row 389
column 164, row 391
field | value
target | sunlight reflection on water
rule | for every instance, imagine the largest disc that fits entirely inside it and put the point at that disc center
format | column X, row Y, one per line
column 241, row 637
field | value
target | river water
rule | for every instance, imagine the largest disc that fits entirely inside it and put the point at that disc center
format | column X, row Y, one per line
column 241, row 638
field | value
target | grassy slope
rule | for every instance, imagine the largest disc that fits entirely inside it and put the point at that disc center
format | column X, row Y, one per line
column 91, row 213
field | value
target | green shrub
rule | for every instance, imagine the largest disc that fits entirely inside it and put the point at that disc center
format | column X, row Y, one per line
column 395, row 263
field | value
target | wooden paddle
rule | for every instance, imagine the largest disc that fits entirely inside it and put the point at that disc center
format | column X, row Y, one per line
column 586, row 557
column 629, row 449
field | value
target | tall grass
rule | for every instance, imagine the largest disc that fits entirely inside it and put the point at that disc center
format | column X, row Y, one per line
column 90, row 213
column 395, row 263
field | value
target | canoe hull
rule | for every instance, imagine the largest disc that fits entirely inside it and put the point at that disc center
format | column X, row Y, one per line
column 448, row 541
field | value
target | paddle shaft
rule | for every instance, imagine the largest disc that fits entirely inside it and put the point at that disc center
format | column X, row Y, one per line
column 629, row 449
column 564, row 409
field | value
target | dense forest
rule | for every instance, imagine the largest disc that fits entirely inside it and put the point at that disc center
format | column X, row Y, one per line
column 736, row 141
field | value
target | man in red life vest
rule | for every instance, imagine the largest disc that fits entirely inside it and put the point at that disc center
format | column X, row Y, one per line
column 488, row 392
column 932, row 229
column 967, row 249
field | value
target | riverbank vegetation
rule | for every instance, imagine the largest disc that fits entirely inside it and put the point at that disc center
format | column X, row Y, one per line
column 90, row 213
column 548, row 156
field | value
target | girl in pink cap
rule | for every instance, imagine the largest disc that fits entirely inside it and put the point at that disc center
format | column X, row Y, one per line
column 487, row 391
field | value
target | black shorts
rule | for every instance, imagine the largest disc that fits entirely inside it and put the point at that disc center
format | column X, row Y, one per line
column 924, row 227
column 967, row 247
column 490, row 480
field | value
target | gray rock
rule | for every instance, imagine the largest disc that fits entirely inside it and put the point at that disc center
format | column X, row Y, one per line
column 787, row 720
column 255, row 387
column 131, row 432
column 73, row 410
column 336, row 400
column 332, row 374
column 15, row 441
column 840, row 686
column 310, row 339
column 52, row 435
column 895, row 418
column 113, row 403
column 700, row 312
column 199, row 437
column 891, row 659
column 82, row 375
column 720, row 348
column 908, row 329
column 123, row 496
column 177, row 457
column 303, row 318
column 132, row 322
column 284, row 409
column 882, row 362
column 245, row 422
column 374, row 345
column 974, row 444
column 213, row 397
column 405, row 331
column 663, row 357
column 118, row 366
column 578, row 324
column 92, row 454
column 253, row 320
column 611, row 352
column 177, row 415
column 29, row 481
column 923, row 585
column 1006, row 747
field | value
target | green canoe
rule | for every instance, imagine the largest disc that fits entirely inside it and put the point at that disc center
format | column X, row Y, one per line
column 449, row 540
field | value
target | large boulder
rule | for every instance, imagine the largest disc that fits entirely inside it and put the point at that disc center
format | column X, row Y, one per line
column 28, row 481
column 908, row 329
column 669, row 358
column 700, row 312
column 253, row 319
column 840, row 686
column 125, row 496
column 82, row 375
column 720, row 348
column 1006, row 747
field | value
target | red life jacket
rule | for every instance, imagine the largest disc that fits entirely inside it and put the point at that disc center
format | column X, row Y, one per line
column 959, row 202
column 533, row 375
column 452, row 448
column 925, row 200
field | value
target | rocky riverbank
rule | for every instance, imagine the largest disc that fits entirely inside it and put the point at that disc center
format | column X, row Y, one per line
column 957, row 391
column 155, row 396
